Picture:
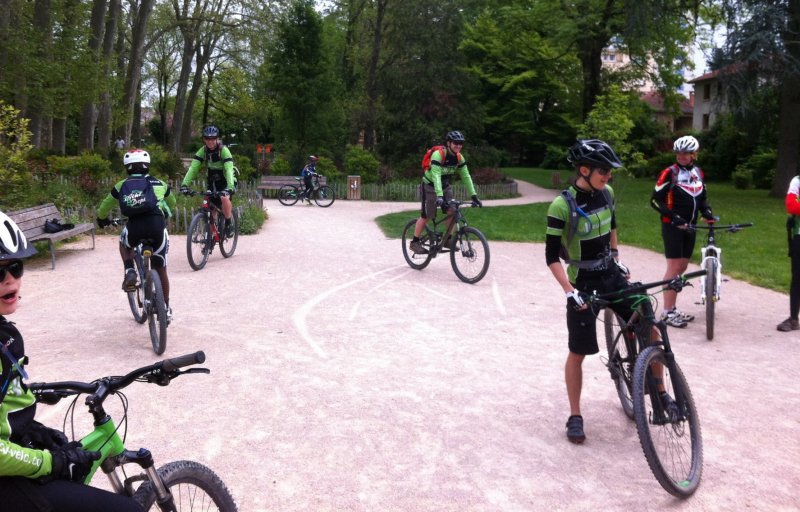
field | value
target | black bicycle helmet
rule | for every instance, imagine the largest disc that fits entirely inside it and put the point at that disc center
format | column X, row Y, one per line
column 455, row 136
column 593, row 152
column 13, row 244
column 210, row 132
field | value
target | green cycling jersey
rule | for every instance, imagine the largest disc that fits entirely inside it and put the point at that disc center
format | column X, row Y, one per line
column 219, row 163
column 444, row 166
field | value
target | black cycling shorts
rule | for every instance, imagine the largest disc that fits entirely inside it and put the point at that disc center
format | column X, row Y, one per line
column 148, row 227
column 678, row 243
column 582, row 324
column 25, row 495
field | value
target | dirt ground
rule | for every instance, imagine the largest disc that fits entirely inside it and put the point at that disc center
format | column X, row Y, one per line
column 344, row 380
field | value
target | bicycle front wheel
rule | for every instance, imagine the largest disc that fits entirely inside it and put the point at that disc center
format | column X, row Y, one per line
column 621, row 347
column 156, row 312
column 417, row 261
column 288, row 195
column 227, row 245
column 197, row 241
column 193, row 486
column 469, row 255
column 136, row 297
column 324, row 196
column 670, row 436
column 711, row 296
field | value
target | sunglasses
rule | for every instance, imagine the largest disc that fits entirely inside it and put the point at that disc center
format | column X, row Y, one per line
column 602, row 171
column 15, row 269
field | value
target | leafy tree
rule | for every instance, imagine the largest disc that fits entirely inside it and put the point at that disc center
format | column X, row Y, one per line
column 610, row 121
column 14, row 145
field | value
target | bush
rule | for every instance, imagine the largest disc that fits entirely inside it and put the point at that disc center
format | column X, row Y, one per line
column 252, row 219
column 742, row 178
column 86, row 164
column 487, row 176
column 360, row 162
column 722, row 148
column 280, row 167
column 165, row 164
column 247, row 172
column 555, row 157
column 762, row 165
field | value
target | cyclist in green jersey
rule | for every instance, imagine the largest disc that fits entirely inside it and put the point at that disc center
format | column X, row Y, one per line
column 219, row 163
column 148, row 224
column 40, row 469
column 436, row 188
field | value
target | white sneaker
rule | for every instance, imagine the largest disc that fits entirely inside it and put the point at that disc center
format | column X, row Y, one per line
column 686, row 317
column 169, row 315
column 673, row 318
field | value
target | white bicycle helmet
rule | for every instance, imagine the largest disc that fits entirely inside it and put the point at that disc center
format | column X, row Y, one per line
column 686, row 144
column 136, row 156
column 13, row 244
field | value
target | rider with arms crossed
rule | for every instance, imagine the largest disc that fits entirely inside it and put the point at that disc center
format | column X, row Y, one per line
column 148, row 224
column 40, row 469
column 436, row 188
column 219, row 162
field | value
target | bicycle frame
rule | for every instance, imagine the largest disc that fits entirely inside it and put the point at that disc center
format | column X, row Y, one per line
column 712, row 252
column 458, row 221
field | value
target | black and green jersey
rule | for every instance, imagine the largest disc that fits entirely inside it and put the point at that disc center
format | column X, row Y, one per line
column 166, row 200
column 444, row 167
column 592, row 237
column 219, row 163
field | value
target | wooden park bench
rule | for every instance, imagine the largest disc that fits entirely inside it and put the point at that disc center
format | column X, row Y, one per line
column 31, row 222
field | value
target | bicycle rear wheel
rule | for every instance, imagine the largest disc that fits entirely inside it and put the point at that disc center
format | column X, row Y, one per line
column 469, row 255
column 227, row 246
column 711, row 296
column 194, row 487
column 324, row 196
column 671, row 440
column 414, row 260
column 621, row 347
column 136, row 297
column 156, row 312
column 288, row 195
column 197, row 241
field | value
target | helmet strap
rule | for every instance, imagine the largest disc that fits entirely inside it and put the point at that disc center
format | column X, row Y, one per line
column 586, row 179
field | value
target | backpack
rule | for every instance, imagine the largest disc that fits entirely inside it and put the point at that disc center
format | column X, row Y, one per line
column 574, row 212
column 137, row 197
column 426, row 160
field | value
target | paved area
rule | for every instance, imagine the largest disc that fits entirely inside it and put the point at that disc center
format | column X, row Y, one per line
column 344, row 380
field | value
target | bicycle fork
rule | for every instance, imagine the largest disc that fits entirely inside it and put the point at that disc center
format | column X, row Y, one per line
column 714, row 254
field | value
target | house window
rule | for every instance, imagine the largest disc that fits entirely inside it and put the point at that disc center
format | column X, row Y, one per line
column 706, row 92
column 705, row 121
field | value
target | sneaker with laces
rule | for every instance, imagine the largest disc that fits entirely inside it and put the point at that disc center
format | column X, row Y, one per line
column 671, row 409
column 169, row 315
column 673, row 318
column 129, row 283
column 686, row 317
column 575, row 429
column 790, row 324
column 417, row 248
column 229, row 230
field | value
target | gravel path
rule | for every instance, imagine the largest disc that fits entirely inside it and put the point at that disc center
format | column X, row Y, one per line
column 344, row 380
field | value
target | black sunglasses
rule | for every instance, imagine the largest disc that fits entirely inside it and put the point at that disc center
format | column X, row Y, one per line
column 602, row 171
column 15, row 269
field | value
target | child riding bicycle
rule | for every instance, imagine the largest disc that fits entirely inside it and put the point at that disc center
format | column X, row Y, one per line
column 148, row 203
column 308, row 173
column 40, row 469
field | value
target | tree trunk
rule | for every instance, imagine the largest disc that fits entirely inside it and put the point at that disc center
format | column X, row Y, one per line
column 789, row 117
column 133, row 74
column 373, row 88
column 89, row 111
column 59, row 144
column 104, row 117
column 590, row 53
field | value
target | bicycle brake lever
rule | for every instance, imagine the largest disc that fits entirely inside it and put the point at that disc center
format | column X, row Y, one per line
column 196, row 370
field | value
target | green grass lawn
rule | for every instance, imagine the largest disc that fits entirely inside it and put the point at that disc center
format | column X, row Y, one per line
column 746, row 255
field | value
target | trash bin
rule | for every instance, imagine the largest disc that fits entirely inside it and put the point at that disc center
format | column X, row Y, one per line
column 354, row 187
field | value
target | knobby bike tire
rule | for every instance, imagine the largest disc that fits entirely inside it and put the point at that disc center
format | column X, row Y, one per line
column 672, row 446
column 621, row 348
column 288, row 195
column 417, row 261
column 157, row 314
column 136, row 297
column 469, row 255
column 711, row 296
column 227, row 246
column 194, row 487
column 324, row 196
column 197, row 241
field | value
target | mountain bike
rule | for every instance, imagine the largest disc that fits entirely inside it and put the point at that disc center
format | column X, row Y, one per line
column 669, row 430
column 177, row 486
column 711, row 261
column 323, row 195
column 147, row 298
column 207, row 229
column 468, row 248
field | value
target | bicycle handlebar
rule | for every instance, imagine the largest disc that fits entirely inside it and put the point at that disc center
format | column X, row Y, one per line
column 676, row 283
column 160, row 373
column 733, row 228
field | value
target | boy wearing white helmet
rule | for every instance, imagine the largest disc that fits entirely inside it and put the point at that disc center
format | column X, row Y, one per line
column 40, row 469
column 148, row 203
column 680, row 196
